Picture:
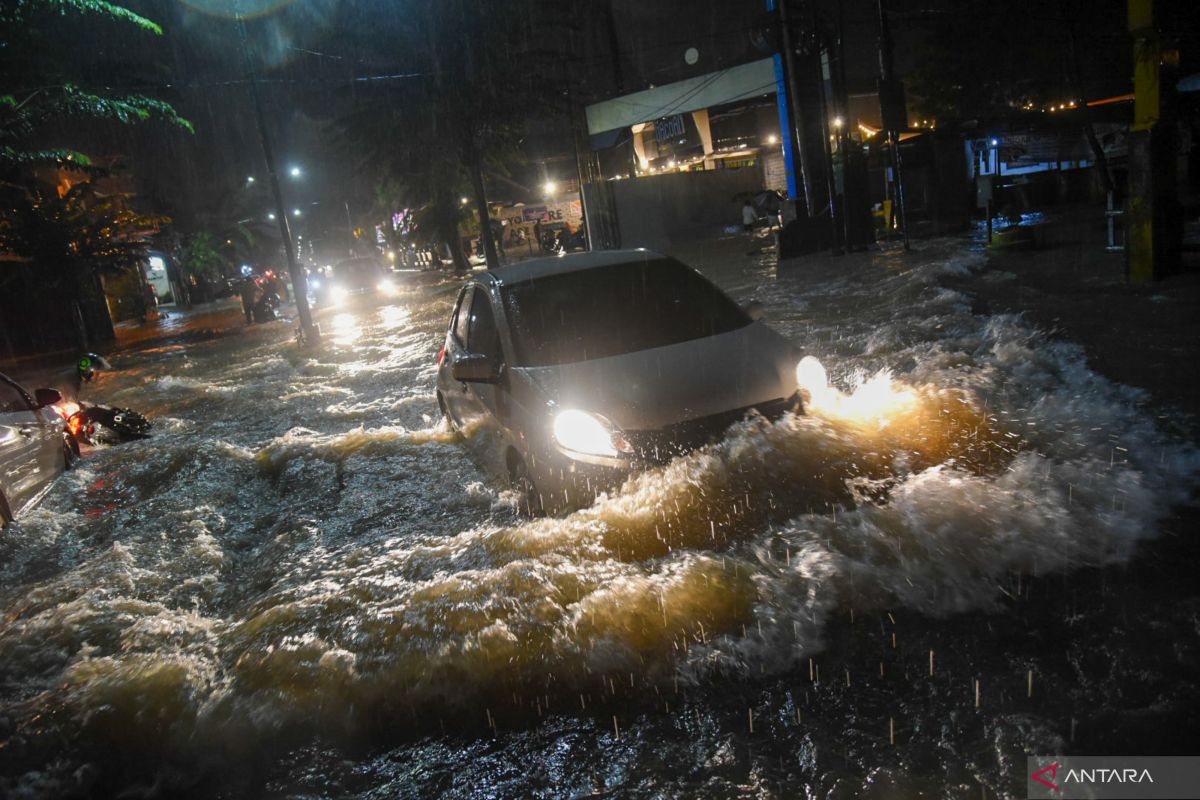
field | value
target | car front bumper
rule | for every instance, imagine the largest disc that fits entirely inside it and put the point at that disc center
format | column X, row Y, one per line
column 567, row 481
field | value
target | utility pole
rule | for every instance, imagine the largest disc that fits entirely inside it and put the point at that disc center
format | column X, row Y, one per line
column 1151, row 246
column 310, row 334
column 895, row 116
column 797, row 134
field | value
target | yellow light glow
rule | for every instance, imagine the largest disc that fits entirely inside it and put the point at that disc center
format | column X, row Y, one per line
column 873, row 403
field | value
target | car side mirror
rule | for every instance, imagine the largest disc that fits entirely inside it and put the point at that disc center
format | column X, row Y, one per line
column 47, row 397
column 475, row 368
column 755, row 310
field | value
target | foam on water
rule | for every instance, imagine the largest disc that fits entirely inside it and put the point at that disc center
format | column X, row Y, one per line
column 294, row 573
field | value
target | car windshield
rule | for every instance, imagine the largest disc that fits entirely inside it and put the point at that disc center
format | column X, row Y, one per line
column 358, row 272
column 612, row 310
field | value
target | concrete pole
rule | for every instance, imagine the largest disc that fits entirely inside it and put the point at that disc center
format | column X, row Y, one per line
column 309, row 333
column 1140, row 231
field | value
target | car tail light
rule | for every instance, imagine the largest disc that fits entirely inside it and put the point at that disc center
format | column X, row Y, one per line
column 441, row 356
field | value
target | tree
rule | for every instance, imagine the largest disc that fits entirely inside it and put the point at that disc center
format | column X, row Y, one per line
column 457, row 109
column 72, row 242
column 201, row 256
column 65, row 230
column 41, row 84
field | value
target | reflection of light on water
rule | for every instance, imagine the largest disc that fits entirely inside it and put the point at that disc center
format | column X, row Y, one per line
column 394, row 317
column 345, row 329
column 875, row 402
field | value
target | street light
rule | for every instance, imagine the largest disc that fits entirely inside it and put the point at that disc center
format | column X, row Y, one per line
column 271, row 215
column 550, row 187
column 295, row 212
column 249, row 179
column 310, row 333
column 295, row 172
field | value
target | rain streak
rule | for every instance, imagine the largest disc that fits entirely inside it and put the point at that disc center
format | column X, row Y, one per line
column 304, row 555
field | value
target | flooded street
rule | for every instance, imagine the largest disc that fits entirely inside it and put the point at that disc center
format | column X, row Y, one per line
column 302, row 585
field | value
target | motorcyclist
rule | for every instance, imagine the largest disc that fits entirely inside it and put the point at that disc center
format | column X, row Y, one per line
column 83, row 421
column 85, row 370
column 248, row 290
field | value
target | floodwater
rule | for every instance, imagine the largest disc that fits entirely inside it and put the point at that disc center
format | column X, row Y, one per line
column 302, row 586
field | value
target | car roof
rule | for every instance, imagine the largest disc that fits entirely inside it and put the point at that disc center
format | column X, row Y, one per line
column 558, row 265
column 354, row 262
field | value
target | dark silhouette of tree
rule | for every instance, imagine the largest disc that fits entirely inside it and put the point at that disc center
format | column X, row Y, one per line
column 469, row 77
column 41, row 86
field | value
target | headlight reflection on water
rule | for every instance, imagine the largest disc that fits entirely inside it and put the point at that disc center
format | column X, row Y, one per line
column 875, row 401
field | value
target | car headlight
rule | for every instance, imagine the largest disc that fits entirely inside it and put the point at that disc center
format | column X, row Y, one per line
column 586, row 433
column 314, row 283
column 387, row 287
column 811, row 376
column 337, row 294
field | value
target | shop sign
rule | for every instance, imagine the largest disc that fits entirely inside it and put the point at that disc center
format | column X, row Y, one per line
column 670, row 129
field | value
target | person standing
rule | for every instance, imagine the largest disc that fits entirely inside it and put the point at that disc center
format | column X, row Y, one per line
column 749, row 217
column 248, row 289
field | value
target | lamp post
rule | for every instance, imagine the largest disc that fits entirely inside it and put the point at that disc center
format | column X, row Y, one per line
column 309, row 333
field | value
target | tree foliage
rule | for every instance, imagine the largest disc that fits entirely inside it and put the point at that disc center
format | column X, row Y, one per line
column 474, row 75
column 41, row 85
column 78, row 233
column 201, row 255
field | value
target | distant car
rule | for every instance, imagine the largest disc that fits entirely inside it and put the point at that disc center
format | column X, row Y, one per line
column 350, row 278
column 35, row 446
column 581, row 369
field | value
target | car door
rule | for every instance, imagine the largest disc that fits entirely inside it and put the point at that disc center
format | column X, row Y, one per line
column 483, row 337
column 456, row 394
column 22, row 447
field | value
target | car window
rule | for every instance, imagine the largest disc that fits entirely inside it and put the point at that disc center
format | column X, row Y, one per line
column 483, row 336
column 12, row 399
column 359, row 266
column 462, row 317
column 607, row 311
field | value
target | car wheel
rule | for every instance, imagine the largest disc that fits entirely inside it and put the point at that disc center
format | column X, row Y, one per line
column 70, row 451
column 530, row 502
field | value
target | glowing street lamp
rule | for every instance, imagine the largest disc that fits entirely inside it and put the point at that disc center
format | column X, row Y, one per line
column 550, row 187
column 295, row 172
column 295, row 212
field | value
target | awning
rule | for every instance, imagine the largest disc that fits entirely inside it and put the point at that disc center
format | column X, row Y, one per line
column 742, row 82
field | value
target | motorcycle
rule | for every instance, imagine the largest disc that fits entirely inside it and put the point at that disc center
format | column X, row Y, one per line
column 264, row 309
column 91, row 423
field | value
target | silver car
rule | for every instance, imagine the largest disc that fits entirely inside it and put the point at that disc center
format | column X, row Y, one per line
column 573, row 372
column 35, row 446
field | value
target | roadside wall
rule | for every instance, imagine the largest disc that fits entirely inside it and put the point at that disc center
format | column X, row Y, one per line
column 656, row 210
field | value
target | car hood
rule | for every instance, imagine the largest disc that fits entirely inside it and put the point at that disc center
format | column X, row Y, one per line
column 651, row 389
